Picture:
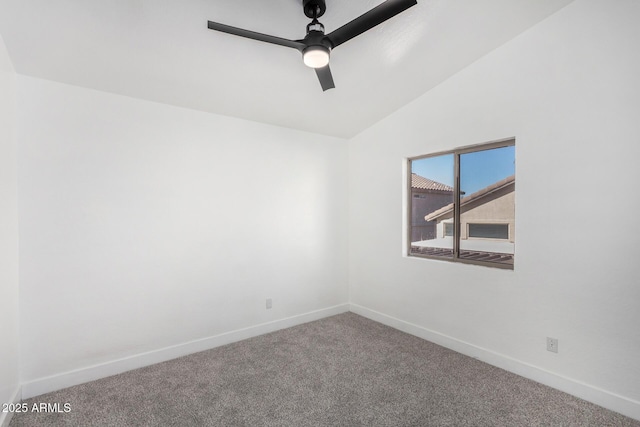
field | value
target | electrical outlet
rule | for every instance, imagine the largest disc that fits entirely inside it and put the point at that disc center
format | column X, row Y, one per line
column 552, row 344
column 269, row 303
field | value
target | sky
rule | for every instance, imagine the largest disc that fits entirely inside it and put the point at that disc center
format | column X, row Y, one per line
column 477, row 170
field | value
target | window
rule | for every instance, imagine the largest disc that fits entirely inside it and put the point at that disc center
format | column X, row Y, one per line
column 448, row 229
column 463, row 205
column 489, row 231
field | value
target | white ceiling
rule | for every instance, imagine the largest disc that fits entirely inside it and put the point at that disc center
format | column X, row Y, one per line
column 161, row 50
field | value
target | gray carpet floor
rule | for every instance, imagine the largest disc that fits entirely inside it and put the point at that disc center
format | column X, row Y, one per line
column 340, row 371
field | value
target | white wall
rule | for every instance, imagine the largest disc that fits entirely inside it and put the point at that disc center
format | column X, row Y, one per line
column 145, row 226
column 568, row 90
column 9, row 345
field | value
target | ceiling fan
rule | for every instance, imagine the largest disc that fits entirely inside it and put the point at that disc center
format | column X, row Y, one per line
column 316, row 46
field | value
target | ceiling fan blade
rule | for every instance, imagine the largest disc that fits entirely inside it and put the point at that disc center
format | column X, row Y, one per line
column 325, row 77
column 365, row 22
column 256, row 36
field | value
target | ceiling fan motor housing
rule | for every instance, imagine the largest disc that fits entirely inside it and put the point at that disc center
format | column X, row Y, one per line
column 317, row 38
column 314, row 8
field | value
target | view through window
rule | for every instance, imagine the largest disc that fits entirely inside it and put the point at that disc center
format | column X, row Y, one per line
column 463, row 205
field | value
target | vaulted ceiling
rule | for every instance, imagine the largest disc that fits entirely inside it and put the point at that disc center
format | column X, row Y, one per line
column 161, row 50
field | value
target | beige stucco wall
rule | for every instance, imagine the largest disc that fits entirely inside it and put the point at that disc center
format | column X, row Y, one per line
column 500, row 210
column 421, row 229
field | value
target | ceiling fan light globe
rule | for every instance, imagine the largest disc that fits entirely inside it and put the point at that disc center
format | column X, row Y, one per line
column 316, row 56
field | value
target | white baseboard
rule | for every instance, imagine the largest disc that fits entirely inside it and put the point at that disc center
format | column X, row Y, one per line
column 5, row 417
column 606, row 399
column 91, row 373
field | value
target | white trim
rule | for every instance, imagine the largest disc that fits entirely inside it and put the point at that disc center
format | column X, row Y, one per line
column 114, row 367
column 5, row 417
column 604, row 398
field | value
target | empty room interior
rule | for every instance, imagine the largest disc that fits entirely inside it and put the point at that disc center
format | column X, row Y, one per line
column 170, row 186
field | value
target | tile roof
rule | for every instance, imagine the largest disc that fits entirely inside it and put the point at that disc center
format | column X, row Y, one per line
column 471, row 197
column 422, row 183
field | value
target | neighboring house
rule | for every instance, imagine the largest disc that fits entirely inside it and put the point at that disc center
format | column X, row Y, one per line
column 426, row 196
column 487, row 215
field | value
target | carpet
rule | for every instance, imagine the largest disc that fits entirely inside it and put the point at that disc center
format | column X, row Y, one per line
column 344, row 370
